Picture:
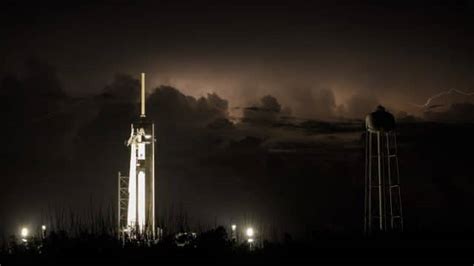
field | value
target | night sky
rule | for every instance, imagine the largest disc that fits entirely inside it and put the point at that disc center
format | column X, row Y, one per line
column 258, row 106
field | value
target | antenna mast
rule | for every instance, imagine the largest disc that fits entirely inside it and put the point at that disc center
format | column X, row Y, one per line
column 142, row 113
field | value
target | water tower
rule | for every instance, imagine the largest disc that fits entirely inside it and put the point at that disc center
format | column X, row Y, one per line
column 383, row 206
column 136, row 193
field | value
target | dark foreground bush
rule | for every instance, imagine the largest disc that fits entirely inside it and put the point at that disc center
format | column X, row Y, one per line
column 213, row 246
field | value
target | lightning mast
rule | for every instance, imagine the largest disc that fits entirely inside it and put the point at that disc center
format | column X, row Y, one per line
column 137, row 191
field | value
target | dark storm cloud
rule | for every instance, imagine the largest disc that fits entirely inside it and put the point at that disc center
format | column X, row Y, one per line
column 183, row 110
column 456, row 113
column 266, row 112
column 36, row 127
column 28, row 102
column 359, row 105
column 290, row 172
column 397, row 52
column 122, row 88
column 313, row 102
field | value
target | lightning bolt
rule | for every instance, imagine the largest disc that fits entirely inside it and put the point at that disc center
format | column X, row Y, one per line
column 443, row 93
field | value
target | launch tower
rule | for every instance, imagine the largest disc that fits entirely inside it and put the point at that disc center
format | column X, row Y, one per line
column 136, row 193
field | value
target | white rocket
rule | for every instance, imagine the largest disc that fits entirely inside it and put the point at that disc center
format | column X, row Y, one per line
column 141, row 189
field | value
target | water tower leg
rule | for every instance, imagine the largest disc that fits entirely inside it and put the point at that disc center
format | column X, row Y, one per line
column 380, row 186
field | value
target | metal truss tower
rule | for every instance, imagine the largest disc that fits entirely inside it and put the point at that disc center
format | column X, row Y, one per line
column 383, row 206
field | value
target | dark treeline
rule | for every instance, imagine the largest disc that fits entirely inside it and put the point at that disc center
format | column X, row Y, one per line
column 215, row 246
column 73, row 238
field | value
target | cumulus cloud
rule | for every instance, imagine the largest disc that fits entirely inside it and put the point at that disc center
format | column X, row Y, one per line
column 313, row 102
column 266, row 112
column 172, row 106
column 359, row 105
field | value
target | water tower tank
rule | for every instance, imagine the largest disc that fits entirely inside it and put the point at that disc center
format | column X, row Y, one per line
column 380, row 120
column 383, row 207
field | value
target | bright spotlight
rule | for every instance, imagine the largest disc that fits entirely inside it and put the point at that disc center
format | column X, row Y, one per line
column 24, row 232
column 250, row 240
column 43, row 227
column 234, row 227
column 249, row 232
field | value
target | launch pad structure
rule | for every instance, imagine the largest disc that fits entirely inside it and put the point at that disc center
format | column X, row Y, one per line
column 136, row 192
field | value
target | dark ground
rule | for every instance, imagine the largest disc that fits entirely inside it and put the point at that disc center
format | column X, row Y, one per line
column 214, row 247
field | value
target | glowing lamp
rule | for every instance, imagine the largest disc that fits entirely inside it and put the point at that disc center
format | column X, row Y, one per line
column 249, row 232
column 24, row 232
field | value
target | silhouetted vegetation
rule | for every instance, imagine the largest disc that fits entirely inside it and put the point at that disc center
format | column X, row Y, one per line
column 215, row 246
